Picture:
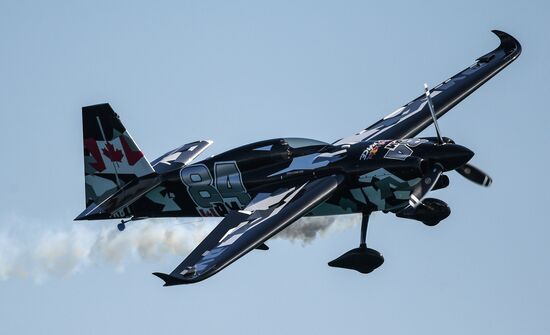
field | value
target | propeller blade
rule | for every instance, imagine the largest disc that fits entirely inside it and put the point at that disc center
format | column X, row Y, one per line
column 475, row 175
column 426, row 185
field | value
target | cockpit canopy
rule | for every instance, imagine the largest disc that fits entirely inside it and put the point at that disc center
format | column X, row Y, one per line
column 272, row 151
column 298, row 142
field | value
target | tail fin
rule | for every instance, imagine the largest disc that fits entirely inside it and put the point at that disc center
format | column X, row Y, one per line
column 111, row 157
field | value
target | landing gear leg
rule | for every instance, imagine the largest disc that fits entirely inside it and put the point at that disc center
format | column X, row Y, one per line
column 364, row 227
column 362, row 259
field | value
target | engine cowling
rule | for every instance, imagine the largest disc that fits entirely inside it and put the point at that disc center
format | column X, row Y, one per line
column 430, row 212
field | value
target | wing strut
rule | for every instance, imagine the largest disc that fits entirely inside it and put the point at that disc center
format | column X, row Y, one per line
column 432, row 110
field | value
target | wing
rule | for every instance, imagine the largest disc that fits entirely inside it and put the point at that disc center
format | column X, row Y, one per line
column 242, row 231
column 415, row 116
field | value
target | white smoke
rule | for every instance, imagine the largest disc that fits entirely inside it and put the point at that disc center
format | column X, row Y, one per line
column 65, row 252
column 308, row 229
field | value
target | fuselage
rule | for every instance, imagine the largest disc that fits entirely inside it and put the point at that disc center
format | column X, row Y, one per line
column 380, row 175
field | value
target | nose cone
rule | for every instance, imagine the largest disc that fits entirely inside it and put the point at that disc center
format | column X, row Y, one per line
column 452, row 156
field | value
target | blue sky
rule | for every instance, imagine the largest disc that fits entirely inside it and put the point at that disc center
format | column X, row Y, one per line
column 242, row 71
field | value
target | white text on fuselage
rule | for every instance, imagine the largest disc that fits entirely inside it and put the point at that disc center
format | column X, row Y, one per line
column 215, row 196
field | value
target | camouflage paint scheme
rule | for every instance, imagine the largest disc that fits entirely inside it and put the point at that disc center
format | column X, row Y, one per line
column 261, row 188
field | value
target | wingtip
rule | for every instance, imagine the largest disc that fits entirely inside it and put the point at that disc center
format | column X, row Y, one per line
column 168, row 279
column 508, row 43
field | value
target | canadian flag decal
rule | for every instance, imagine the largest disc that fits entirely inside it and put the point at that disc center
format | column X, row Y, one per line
column 133, row 156
column 114, row 154
column 90, row 145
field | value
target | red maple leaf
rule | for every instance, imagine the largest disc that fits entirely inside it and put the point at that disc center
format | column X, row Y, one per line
column 115, row 155
column 91, row 148
column 132, row 156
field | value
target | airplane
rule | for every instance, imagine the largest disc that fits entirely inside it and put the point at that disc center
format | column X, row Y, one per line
column 261, row 188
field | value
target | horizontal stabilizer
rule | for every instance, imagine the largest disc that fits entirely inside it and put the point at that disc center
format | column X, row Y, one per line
column 180, row 157
column 115, row 206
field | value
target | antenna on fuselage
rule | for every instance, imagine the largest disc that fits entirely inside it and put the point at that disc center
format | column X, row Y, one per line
column 432, row 110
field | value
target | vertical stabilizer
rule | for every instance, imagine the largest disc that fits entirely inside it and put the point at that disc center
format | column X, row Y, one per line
column 111, row 157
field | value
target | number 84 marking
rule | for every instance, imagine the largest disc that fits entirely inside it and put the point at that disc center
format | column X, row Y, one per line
column 226, row 187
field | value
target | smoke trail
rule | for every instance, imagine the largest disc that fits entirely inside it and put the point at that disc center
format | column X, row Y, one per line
column 63, row 253
column 66, row 252
column 308, row 229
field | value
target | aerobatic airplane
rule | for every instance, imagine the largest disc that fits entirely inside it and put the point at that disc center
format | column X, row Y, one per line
column 261, row 188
